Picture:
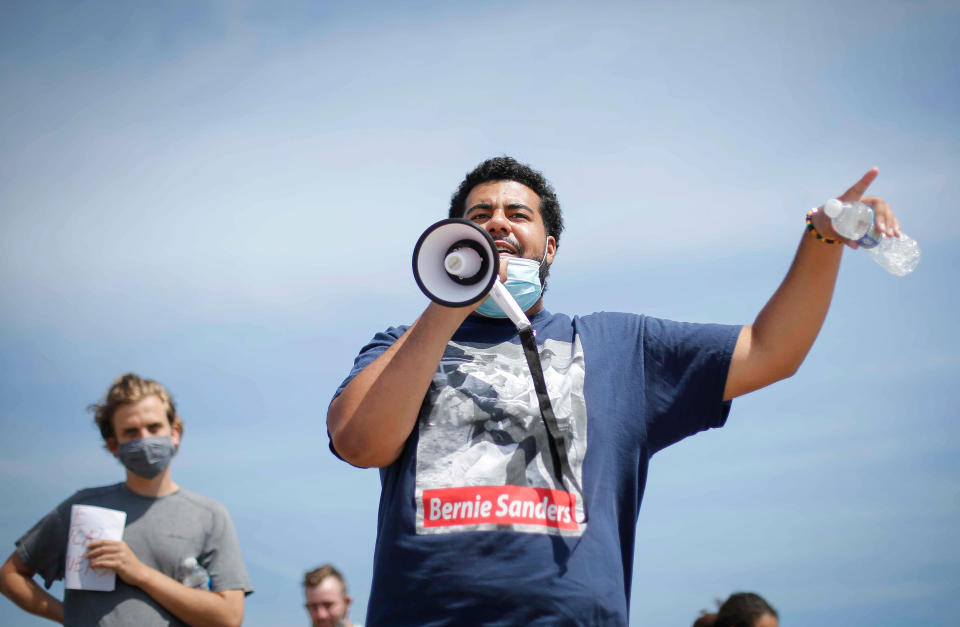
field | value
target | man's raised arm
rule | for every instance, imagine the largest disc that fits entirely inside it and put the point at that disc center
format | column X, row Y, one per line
column 375, row 413
column 775, row 345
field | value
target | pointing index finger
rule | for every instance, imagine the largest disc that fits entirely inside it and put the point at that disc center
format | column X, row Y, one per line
column 858, row 189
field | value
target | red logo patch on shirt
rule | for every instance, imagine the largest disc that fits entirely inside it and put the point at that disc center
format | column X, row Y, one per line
column 499, row 505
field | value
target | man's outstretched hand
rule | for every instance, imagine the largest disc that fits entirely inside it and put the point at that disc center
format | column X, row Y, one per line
column 884, row 219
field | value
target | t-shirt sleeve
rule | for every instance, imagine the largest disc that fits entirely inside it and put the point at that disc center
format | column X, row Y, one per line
column 685, row 366
column 374, row 348
column 221, row 555
column 44, row 547
column 368, row 354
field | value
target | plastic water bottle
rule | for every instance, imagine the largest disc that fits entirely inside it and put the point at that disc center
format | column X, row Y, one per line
column 854, row 220
column 193, row 575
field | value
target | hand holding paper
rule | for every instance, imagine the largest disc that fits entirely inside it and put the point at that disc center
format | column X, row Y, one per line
column 89, row 524
column 116, row 556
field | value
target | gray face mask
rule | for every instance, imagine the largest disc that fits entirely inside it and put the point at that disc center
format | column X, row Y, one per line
column 147, row 457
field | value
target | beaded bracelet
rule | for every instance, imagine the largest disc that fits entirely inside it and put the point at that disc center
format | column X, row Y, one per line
column 810, row 227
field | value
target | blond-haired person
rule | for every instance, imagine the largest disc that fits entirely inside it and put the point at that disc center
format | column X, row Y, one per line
column 165, row 525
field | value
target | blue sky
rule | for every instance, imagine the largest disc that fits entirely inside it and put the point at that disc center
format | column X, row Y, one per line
column 224, row 196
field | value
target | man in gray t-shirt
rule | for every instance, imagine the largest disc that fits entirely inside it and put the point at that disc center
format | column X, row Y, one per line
column 165, row 526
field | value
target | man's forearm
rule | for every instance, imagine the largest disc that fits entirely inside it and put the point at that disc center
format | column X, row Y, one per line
column 371, row 419
column 192, row 606
column 17, row 584
column 791, row 320
column 785, row 329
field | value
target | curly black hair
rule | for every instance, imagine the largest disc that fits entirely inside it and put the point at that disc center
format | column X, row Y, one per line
column 509, row 169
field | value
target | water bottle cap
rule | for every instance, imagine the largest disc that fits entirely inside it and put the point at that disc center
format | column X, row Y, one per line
column 190, row 562
column 833, row 208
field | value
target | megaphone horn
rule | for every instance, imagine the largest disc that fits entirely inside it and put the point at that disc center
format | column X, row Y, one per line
column 455, row 263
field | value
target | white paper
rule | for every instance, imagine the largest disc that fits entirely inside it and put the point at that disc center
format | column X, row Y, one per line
column 89, row 523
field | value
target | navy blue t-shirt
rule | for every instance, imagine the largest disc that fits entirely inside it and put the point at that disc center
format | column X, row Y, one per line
column 474, row 526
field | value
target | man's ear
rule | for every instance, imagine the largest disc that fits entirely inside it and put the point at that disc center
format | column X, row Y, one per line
column 347, row 600
column 551, row 248
column 112, row 446
column 176, row 432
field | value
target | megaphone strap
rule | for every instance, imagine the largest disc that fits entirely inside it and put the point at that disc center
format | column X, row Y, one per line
column 558, row 449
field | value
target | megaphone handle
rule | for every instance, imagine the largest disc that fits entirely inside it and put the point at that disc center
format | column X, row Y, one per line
column 501, row 295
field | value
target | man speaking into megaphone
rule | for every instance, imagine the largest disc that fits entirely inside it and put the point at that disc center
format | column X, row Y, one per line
column 493, row 514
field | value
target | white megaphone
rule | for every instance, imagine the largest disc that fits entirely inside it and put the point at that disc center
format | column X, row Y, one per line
column 456, row 264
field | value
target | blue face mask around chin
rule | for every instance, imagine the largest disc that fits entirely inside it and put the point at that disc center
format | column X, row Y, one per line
column 523, row 283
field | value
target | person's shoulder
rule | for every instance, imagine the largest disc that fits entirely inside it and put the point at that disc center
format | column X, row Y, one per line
column 651, row 322
column 96, row 493
column 386, row 337
column 611, row 315
column 96, row 496
column 617, row 319
column 597, row 317
column 199, row 501
column 393, row 331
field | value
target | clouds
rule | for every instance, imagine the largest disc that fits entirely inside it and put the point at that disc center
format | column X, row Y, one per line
column 225, row 197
